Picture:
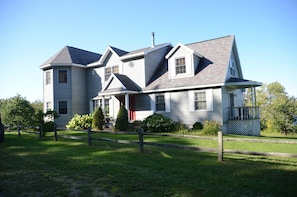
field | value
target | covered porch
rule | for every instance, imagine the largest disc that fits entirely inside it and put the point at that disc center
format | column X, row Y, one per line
column 243, row 120
column 120, row 91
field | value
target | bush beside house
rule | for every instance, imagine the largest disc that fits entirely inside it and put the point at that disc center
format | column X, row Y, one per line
column 158, row 123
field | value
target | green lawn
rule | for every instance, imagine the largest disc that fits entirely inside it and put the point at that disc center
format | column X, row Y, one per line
column 33, row 167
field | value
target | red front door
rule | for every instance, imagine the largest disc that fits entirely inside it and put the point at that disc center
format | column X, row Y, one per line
column 132, row 113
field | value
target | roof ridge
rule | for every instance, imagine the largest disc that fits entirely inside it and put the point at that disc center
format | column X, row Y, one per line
column 210, row 39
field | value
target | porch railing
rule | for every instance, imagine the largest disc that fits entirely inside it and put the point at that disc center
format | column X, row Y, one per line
column 244, row 113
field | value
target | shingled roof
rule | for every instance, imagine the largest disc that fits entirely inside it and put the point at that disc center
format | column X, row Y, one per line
column 212, row 68
column 71, row 55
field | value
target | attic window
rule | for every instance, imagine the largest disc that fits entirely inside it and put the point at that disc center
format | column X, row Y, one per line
column 180, row 65
column 110, row 70
column 107, row 73
column 232, row 69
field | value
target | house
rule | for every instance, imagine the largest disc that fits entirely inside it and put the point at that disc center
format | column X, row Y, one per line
column 186, row 82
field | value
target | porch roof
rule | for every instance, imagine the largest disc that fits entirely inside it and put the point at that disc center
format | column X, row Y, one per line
column 119, row 84
column 238, row 83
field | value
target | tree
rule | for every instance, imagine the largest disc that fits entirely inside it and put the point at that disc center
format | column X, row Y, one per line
column 98, row 119
column 17, row 111
column 278, row 110
column 122, row 122
column 283, row 111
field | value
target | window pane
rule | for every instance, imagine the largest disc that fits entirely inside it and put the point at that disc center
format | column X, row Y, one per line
column 48, row 106
column 107, row 73
column 180, row 65
column 200, row 100
column 47, row 77
column 115, row 69
column 62, row 107
column 160, row 103
column 62, row 76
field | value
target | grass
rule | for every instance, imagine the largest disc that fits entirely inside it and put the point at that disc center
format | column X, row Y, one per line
column 33, row 167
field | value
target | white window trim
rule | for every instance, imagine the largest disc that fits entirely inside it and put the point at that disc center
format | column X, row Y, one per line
column 209, row 100
column 167, row 102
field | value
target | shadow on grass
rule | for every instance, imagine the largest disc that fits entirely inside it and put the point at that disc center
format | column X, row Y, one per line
column 32, row 167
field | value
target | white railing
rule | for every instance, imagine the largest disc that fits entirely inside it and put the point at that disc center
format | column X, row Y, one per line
column 244, row 113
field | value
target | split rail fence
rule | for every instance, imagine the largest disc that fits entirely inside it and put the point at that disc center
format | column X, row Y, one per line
column 141, row 142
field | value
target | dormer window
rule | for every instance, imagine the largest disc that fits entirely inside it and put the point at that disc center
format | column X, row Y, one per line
column 180, row 65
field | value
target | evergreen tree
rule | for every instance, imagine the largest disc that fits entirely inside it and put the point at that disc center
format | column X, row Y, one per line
column 98, row 119
column 122, row 120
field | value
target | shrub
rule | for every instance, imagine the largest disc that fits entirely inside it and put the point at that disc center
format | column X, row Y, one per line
column 158, row 123
column 80, row 122
column 122, row 123
column 180, row 128
column 47, row 127
column 211, row 127
column 98, row 119
column 197, row 126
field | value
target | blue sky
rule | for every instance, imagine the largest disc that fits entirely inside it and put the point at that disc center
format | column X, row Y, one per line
column 32, row 31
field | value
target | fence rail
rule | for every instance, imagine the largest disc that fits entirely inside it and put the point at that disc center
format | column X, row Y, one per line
column 141, row 142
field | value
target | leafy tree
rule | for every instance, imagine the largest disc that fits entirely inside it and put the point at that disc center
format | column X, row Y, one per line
column 98, row 119
column 38, row 117
column 17, row 111
column 278, row 110
column 283, row 112
column 122, row 123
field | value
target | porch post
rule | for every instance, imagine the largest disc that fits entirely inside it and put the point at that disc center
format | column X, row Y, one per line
column 253, row 100
column 103, row 106
column 253, row 96
column 127, row 104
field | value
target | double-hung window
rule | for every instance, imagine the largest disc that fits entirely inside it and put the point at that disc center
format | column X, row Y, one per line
column 62, row 107
column 200, row 100
column 62, row 76
column 48, row 106
column 47, row 77
column 160, row 102
column 180, row 65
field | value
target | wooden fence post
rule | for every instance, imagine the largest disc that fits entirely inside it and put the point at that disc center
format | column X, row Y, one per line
column 89, row 136
column 140, row 135
column 40, row 131
column 220, row 148
column 55, row 132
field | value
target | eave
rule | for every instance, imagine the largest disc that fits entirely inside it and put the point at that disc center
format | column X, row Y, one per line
column 46, row 66
column 179, row 45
